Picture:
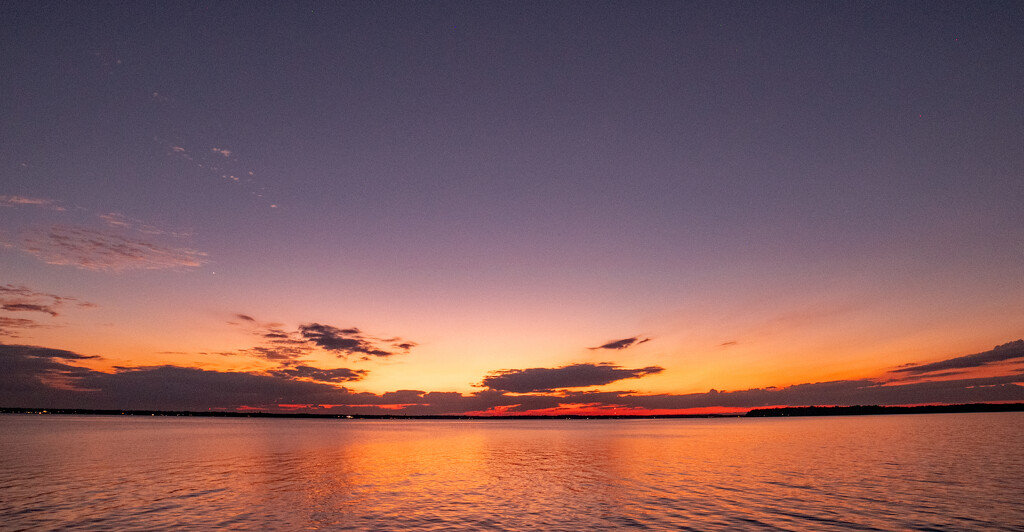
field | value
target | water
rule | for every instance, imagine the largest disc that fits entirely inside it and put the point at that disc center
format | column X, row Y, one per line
column 918, row 472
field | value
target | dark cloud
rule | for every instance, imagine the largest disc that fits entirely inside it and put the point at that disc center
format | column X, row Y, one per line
column 101, row 251
column 1008, row 351
column 574, row 376
column 274, row 352
column 38, row 376
column 935, row 375
column 277, row 344
column 276, row 336
column 29, row 307
column 843, row 393
column 170, row 387
column 343, row 341
column 15, row 298
column 281, row 344
column 10, row 326
column 40, row 353
column 321, row 375
column 21, row 299
column 622, row 344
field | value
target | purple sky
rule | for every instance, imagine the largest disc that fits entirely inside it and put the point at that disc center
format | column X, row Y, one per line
column 756, row 194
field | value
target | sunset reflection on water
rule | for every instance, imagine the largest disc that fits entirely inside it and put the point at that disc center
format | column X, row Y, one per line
column 884, row 472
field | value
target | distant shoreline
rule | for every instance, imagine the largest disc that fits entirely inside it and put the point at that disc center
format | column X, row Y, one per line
column 874, row 410
column 790, row 411
column 299, row 415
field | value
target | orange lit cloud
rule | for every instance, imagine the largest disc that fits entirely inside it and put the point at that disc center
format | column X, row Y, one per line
column 10, row 201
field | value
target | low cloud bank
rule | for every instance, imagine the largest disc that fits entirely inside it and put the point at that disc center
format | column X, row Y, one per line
column 32, row 376
column 574, row 376
column 1001, row 353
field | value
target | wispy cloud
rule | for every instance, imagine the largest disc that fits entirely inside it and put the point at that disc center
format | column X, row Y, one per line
column 573, row 376
column 1001, row 353
column 11, row 201
column 10, row 327
column 28, row 307
column 225, row 164
column 277, row 345
column 21, row 299
column 621, row 344
column 120, row 221
column 42, row 353
column 277, row 352
column 102, row 251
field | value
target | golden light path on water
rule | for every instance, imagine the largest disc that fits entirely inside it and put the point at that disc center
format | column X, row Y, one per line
column 935, row 472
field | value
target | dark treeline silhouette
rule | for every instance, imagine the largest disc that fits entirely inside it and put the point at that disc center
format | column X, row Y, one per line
column 865, row 410
column 185, row 413
column 789, row 411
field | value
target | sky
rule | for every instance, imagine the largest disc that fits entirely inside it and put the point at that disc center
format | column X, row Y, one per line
column 510, row 207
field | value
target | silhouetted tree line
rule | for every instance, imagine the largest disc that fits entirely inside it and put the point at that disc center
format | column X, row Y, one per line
column 868, row 410
column 185, row 413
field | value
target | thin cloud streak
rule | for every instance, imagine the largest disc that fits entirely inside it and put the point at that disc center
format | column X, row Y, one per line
column 23, row 299
column 11, row 201
column 120, row 221
column 1001, row 353
column 28, row 307
column 93, row 250
column 618, row 345
column 9, row 327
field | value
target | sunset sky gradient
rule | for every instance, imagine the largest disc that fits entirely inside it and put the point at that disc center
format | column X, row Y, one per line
column 509, row 207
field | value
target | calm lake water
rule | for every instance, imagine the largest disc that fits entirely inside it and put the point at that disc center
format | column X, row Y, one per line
column 918, row 472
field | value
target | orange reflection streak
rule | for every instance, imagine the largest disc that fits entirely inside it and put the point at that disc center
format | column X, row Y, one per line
column 600, row 410
column 314, row 407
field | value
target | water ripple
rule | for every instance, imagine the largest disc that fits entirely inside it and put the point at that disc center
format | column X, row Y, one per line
column 872, row 473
